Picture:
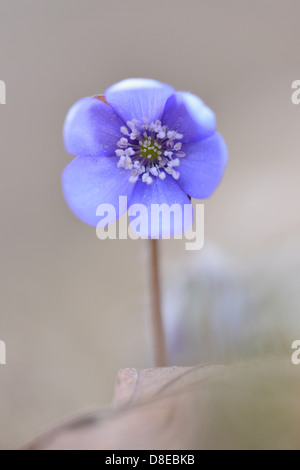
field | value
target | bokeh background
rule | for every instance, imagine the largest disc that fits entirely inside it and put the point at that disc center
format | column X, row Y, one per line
column 74, row 309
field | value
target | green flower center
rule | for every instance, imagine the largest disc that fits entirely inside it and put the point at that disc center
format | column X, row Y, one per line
column 150, row 149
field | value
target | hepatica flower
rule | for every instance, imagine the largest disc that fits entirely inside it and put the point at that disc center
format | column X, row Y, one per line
column 143, row 140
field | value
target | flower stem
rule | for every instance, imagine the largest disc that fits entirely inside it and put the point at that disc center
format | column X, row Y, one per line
column 157, row 323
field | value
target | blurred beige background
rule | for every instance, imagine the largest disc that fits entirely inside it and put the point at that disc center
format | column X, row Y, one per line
column 73, row 308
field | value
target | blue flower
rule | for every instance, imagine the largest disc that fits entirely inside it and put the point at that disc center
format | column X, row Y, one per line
column 142, row 140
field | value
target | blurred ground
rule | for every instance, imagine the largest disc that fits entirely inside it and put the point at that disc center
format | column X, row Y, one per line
column 251, row 406
column 73, row 308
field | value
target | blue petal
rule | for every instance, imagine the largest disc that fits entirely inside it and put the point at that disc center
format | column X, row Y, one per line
column 138, row 98
column 202, row 169
column 161, row 192
column 91, row 129
column 88, row 182
column 187, row 114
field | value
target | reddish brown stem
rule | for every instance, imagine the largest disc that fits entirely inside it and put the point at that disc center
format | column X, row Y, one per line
column 157, row 322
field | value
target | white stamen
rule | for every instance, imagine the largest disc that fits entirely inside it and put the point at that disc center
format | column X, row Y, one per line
column 134, row 135
column 168, row 154
column 177, row 146
column 130, row 125
column 171, row 135
column 124, row 130
column 133, row 178
column 154, row 171
column 163, row 162
column 144, row 177
column 129, row 152
column 121, row 162
column 175, row 162
column 161, row 135
column 123, row 142
column 149, row 180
